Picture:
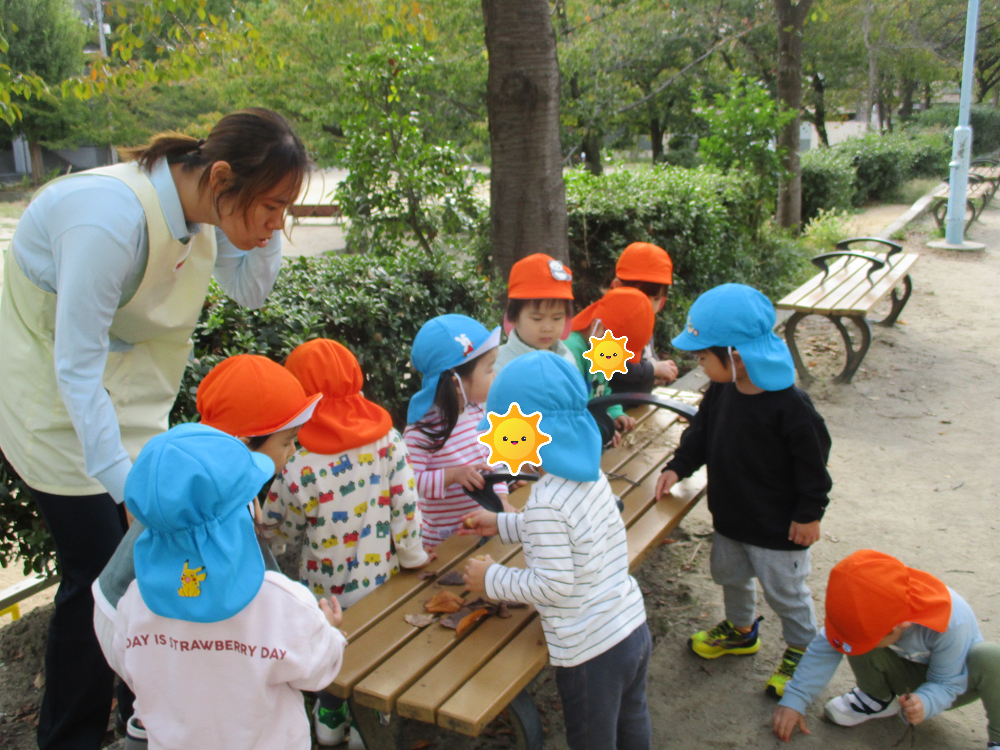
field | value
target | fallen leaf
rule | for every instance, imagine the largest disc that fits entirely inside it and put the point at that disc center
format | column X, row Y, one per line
column 444, row 601
column 469, row 620
column 451, row 578
column 451, row 621
column 420, row 621
column 423, row 575
column 502, row 611
column 39, row 681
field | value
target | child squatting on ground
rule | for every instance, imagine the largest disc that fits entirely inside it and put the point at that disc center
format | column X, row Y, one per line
column 203, row 616
column 648, row 268
column 766, row 450
column 539, row 309
column 455, row 356
column 349, row 490
column 246, row 396
column 577, row 561
column 912, row 643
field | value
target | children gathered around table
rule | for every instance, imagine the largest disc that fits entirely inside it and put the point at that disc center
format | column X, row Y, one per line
column 193, row 604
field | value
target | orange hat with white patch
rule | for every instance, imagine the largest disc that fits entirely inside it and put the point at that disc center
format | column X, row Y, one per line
column 870, row 593
column 249, row 395
column 540, row 276
column 643, row 261
column 625, row 312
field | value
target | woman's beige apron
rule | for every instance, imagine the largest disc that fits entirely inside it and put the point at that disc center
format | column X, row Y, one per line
column 36, row 433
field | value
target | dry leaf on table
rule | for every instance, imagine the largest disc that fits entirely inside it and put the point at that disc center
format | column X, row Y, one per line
column 420, row 621
column 444, row 601
column 451, row 578
column 469, row 620
column 423, row 575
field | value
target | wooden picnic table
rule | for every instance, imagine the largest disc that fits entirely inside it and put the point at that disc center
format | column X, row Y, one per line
column 462, row 684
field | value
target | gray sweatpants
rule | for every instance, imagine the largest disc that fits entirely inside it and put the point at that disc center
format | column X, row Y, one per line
column 782, row 575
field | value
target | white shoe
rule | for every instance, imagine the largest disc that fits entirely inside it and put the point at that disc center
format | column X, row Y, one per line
column 326, row 735
column 857, row 707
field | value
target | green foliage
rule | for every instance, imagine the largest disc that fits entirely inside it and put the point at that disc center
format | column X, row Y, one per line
column 401, row 188
column 700, row 217
column 825, row 230
column 22, row 534
column 983, row 119
column 827, row 181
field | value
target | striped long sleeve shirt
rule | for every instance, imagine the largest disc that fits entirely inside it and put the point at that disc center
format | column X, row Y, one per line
column 577, row 576
column 442, row 507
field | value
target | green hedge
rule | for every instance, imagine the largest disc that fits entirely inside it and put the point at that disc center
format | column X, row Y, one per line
column 984, row 119
column 704, row 219
column 827, row 182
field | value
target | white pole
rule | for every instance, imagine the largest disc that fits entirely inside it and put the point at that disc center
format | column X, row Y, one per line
column 954, row 225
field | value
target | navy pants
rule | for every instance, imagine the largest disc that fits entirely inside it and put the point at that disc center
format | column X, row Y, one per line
column 604, row 699
column 78, row 681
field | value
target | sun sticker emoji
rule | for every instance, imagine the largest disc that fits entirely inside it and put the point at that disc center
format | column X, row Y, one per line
column 514, row 438
column 608, row 354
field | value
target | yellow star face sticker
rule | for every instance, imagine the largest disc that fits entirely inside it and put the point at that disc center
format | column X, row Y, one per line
column 514, row 438
column 608, row 354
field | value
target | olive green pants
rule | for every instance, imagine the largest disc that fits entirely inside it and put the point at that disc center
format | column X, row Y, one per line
column 882, row 673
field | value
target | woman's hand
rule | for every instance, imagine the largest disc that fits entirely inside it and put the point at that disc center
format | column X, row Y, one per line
column 469, row 476
column 331, row 608
column 481, row 523
column 784, row 721
column 666, row 482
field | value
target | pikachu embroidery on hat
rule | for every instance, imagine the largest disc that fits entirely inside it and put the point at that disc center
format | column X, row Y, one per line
column 191, row 579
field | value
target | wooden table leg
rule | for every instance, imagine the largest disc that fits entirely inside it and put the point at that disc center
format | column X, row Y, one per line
column 854, row 356
column 526, row 722
column 378, row 732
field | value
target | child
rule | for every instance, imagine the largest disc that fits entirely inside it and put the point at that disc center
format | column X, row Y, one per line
column 577, row 562
column 649, row 269
column 625, row 312
column 766, row 450
column 350, row 490
column 907, row 636
column 203, row 617
column 455, row 356
column 249, row 397
column 539, row 308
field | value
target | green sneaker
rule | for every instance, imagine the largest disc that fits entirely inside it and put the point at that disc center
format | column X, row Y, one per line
column 785, row 671
column 724, row 639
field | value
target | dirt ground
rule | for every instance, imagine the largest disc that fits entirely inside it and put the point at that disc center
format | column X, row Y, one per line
column 912, row 436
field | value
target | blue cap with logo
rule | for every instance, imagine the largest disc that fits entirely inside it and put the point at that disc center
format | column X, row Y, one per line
column 441, row 344
column 198, row 559
column 542, row 381
column 739, row 316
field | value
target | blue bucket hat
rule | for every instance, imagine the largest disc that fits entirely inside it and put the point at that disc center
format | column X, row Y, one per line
column 441, row 344
column 198, row 559
column 545, row 382
column 739, row 316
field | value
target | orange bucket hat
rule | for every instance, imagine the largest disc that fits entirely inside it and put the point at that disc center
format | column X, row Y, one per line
column 870, row 593
column 625, row 312
column 642, row 261
column 540, row 276
column 250, row 396
column 345, row 419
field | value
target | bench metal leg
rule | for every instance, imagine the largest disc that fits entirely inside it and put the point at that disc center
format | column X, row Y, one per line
column 526, row 722
column 854, row 356
column 377, row 732
column 805, row 377
column 898, row 303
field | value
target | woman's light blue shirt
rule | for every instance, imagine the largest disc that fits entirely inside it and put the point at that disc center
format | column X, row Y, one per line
column 85, row 240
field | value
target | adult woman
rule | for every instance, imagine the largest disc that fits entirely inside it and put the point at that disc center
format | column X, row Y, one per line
column 104, row 282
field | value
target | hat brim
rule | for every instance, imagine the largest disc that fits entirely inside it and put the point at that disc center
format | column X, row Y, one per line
column 491, row 343
column 769, row 363
column 689, row 342
column 848, row 648
column 303, row 416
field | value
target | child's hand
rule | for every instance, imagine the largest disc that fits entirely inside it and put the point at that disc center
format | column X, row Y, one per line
column 784, row 721
column 481, row 523
column 666, row 481
column 616, row 440
column 467, row 476
column 331, row 608
column 665, row 371
column 431, row 557
column 625, row 423
column 913, row 708
column 507, row 507
column 475, row 573
column 804, row 534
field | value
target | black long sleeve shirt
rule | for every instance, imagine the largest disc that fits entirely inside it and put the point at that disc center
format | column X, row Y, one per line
column 766, row 456
column 640, row 378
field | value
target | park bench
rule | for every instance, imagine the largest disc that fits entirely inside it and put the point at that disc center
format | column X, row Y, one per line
column 851, row 284
column 988, row 168
column 394, row 670
column 12, row 596
column 304, row 210
column 980, row 190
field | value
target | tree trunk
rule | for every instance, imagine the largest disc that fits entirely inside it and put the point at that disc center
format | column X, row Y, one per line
column 37, row 163
column 996, row 95
column 819, row 119
column 656, row 138
column 527, row 192
column 592, row 142
column 790, row 20
column 907, row 88
column 927, row 96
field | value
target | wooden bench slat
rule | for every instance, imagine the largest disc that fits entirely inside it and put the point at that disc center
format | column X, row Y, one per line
column 885, row 278
column 28, row 587
column 489, row 691
column 836, row 285
column 797, row 294
column 665, row 515
column 866, row 303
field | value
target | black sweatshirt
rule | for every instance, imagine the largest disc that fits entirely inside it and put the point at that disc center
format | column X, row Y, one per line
column 640, row 378
column 766, row 456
